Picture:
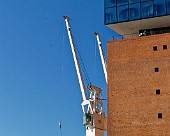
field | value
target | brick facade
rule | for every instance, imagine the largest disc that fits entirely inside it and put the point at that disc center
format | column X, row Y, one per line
column 138, row 68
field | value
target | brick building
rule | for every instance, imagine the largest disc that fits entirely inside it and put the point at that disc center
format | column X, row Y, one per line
column 139, row 68
column 139, row 86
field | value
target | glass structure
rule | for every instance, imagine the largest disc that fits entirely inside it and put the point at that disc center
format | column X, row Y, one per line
column 117, row 11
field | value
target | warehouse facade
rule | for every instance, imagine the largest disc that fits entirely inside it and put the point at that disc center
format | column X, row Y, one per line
column 139, row 67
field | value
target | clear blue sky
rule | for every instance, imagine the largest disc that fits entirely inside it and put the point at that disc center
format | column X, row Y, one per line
column 38, row 81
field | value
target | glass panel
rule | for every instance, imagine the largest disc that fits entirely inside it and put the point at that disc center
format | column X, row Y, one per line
column 110, row 3
column 122, row 2
column 168, row 6
column 134, row 11
column 146, row 0
column 159, row 7
column 122, row 13
column 110, row 15
column 134, row 1
column 147, row 9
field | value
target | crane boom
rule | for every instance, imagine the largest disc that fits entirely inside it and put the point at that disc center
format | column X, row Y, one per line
column 94, row 117
column 77, row 65
column 103, row 60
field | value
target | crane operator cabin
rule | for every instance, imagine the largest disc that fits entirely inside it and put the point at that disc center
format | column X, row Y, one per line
column 138, row 67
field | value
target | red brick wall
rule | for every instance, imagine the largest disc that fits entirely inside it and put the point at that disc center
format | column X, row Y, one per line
column 133, row 104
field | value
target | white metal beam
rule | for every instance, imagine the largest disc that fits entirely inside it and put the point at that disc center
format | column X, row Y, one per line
column 76, row 61
column 103, row 60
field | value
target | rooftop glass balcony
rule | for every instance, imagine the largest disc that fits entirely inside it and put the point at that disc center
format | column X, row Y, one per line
column 122, row 11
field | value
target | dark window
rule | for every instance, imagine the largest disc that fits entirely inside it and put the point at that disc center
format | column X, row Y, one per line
column 122, row 2
column 145, row 0
column 155, row 48
column 158, row 91
column 147, row 9
column 156, row 69
column 134, row 11
column 159, row 115
column 164, row 47
column 122, row 13
column 110, row 15
column 159, row 7
column 168, row 6
column 110, row 3
column 133, row 1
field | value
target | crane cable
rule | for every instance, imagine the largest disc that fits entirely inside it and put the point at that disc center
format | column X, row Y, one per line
column 94, row 70
column 62, row 59
column 84, row 71
column 83, row 68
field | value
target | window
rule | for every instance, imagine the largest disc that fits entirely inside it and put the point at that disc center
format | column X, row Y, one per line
column 110, row 3
column 158, row 91
column 159, row 115
column 168, row 6
column 145, row 0
column 133, row 1
column 155, row 48
column 164, row 47
column 122, row 13
column 159, row 7
column 147, row 9
column 110, row 15
column 122, row 2
column 156, row 69
column 134, row 11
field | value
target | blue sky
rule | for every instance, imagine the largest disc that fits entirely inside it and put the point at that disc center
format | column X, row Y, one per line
column 38, row 81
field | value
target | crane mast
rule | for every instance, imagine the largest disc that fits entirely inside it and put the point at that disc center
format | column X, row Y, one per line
column 94, row 118
column 103, row 60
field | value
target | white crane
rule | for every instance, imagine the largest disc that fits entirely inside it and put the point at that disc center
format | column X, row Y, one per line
column 94, row 117
column 103, row 59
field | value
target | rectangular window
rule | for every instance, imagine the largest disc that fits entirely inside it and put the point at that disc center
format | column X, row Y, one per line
column 165, row 47
column 158, row 91
column 110, row 15
column 168, row 6
column 147, row 9
column 155, row 48
column 134, row 11
column 160, row 115
column 156, row 69
column 159, row 7
column 122, row 13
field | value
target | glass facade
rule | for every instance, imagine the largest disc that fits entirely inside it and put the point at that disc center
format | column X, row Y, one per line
column 117, row 11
